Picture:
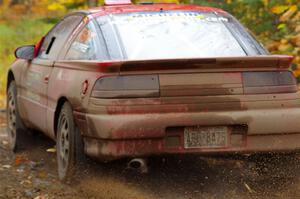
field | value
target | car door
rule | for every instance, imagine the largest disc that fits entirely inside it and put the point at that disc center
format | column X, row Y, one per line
column 36, row 75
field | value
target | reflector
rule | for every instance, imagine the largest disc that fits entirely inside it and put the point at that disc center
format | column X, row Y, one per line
column 116, row 2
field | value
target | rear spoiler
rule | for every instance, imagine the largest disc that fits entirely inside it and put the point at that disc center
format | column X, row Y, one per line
column 247, row 62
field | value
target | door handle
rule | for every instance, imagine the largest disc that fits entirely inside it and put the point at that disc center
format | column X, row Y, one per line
column 46, row 79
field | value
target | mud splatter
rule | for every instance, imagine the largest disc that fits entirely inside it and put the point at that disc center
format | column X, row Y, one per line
column 32, row 174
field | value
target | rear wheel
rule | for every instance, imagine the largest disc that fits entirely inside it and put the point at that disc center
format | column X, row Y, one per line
column 70, row 152
column 15, row 128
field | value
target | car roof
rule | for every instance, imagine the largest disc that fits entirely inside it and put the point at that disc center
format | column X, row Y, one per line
column 104, row 10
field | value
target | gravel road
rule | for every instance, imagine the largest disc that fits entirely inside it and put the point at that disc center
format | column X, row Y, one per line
column 32, row 174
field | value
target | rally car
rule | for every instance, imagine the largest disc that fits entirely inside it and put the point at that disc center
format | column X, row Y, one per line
column 134, row 81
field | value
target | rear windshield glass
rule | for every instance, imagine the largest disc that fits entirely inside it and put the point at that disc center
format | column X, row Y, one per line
column 180, row 34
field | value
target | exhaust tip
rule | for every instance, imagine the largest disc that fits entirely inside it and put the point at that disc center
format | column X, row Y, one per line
column 138, row 164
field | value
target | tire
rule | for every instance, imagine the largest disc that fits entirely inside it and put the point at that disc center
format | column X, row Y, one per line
column 70, row 150
column 15, row 128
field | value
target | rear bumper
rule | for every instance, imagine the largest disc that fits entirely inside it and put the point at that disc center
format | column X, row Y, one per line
column 129, row 135
column 113, row 149
column 155, row 125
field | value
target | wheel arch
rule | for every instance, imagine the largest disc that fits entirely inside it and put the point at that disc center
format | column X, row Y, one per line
column 61, row 101
column 10, row 78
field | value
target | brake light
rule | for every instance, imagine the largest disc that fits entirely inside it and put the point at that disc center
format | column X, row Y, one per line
column 133, row 86
column 269, row 82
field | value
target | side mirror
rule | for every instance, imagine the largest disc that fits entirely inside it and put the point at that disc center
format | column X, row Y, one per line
column 25, row 52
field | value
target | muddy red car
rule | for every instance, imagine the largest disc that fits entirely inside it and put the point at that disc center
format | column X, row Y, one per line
column 157, row 79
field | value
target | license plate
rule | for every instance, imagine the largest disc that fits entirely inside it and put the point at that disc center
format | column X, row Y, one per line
column 206, row 137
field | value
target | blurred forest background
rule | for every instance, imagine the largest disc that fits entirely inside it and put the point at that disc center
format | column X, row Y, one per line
column 276, row 23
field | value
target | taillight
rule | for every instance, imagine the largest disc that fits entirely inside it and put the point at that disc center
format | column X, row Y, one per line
column 269, row 82
column 131, row 86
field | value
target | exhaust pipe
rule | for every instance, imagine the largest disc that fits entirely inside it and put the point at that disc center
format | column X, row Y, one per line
column 138, row 164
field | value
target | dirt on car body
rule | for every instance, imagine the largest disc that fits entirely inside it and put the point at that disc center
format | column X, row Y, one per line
column 32, row 174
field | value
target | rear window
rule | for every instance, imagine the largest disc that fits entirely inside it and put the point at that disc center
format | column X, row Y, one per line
column 180, row 34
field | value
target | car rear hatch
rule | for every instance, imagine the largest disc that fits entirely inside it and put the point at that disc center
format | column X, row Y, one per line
column 199, row 77
column 210, row 92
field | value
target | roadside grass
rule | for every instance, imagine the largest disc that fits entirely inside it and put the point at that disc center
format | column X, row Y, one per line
column 14, row 33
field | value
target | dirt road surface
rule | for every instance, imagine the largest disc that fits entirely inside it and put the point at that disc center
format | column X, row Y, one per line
column 32, row 174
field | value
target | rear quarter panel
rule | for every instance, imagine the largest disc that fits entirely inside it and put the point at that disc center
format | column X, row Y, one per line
column 66, row 81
